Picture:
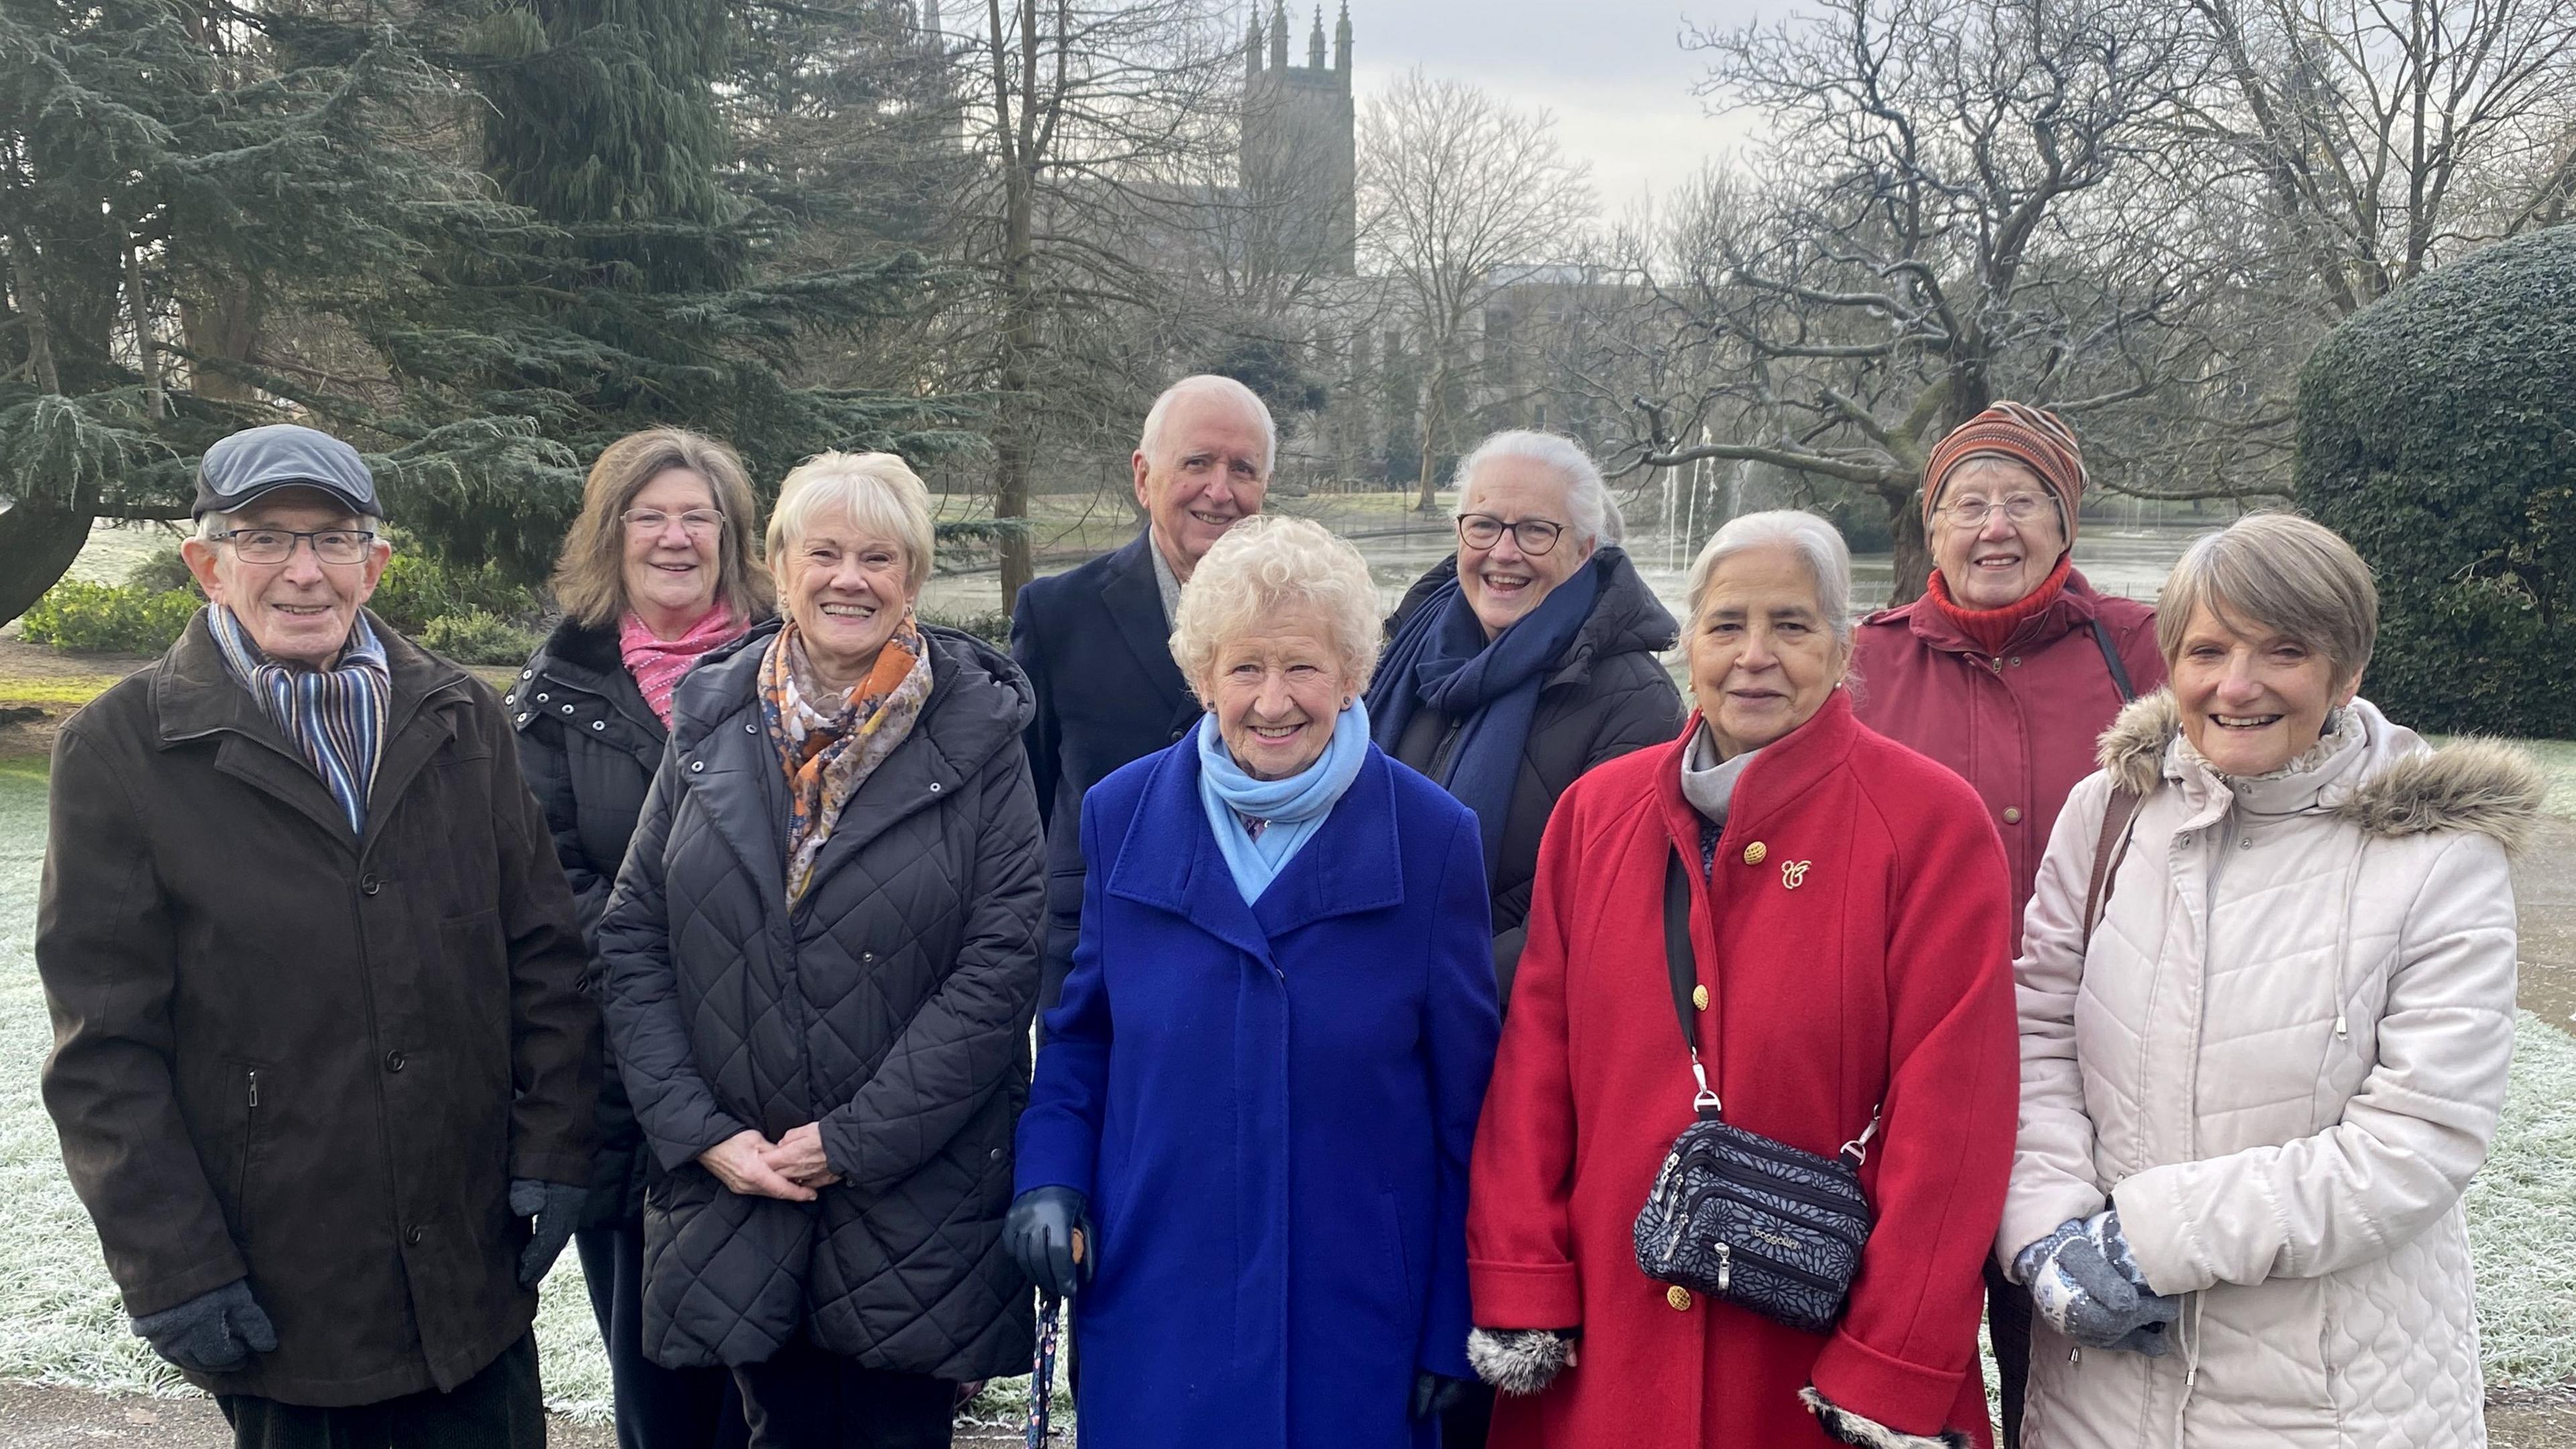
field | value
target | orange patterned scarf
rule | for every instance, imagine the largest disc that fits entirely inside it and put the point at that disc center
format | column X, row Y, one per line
column 828, row 746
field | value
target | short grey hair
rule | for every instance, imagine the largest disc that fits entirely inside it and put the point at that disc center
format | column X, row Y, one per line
column 1816, row 542
column 1587, row 498
column 1149, row 440
column 2280, row 572
column 1266, row 565
column 878, row 492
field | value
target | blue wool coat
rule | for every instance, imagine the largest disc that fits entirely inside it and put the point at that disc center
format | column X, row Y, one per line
column 1271, row 1108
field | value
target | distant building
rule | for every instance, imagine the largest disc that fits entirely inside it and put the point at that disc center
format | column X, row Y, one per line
column 1299, row 166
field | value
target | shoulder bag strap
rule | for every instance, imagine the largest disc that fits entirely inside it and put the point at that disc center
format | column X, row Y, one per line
column 1680, row 962
column 2107, row 852
column 2111, row 656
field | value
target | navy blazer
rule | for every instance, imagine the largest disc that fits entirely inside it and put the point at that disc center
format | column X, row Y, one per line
column 1096, row 649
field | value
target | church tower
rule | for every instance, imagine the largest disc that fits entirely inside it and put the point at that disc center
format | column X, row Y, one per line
column 1300, row 170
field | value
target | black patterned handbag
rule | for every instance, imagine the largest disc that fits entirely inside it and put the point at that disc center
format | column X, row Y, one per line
column 1763, row 1225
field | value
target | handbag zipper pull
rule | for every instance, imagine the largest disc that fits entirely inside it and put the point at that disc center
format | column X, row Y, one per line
column 1725, row 1266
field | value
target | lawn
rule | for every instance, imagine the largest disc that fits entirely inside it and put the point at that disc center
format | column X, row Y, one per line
column 60, row 1323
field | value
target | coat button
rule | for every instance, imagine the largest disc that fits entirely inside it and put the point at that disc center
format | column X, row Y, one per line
column 567, row 709
column 751, row 729
column 1678, row 1297
column 1753, row 853
column 934, row 787
column 413, row 1236
column 542, row 696
column 527, row 674
column 696, row 766
column 523, row 719
column 2012, row 815
column 393, row 1061
column 369, row 885
column 1699, row 997
column 599, row 724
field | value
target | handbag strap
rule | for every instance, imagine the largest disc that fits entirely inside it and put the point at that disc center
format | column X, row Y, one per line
column 2117, row 814
column 1680, row 962
column 2111, row 656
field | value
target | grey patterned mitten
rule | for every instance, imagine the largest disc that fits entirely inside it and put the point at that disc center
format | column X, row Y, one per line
column 2075, row 1290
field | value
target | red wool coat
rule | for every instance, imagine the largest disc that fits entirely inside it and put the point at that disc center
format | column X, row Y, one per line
column 2019, row 726
column 1854, row 943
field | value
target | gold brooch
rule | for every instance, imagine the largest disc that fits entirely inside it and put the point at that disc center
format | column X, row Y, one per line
column 1793, row 873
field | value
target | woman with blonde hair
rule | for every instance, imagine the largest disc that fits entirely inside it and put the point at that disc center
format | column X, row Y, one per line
column 660, row 569
column 821, row 958
column 2267, row 995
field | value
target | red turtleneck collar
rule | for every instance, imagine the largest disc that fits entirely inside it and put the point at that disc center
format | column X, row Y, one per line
column 1991, row 629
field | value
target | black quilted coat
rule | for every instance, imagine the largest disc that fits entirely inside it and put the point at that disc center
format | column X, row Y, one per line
column 891, row 1005
column 588, row 746
column 1608, row 695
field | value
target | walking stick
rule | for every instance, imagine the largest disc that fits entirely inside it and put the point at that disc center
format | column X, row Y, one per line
column 1037, row 1432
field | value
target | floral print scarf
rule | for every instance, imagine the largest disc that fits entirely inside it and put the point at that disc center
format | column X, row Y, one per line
column 829, row 746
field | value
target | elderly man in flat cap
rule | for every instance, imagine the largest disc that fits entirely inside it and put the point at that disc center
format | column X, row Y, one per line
column 323, row 1069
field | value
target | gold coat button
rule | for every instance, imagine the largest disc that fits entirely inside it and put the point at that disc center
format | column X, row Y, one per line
column 1699, row 997
column 1753, row 853
column 2012, row 815
column 1678, row 1297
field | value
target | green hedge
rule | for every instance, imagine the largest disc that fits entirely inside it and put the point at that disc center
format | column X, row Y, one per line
column 417, row 590
column 2437, row 432
column 80, row 618
column 475, row 637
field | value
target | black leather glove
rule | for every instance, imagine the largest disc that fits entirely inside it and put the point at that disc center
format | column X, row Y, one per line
column 212, row 1333
column 1436, row 1394
column 1041, row 1236
column 555, row 1206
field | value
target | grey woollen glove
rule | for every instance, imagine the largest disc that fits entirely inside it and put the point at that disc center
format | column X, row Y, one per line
column 555, row 1207
column 2076, row 1290
column 213, row 1333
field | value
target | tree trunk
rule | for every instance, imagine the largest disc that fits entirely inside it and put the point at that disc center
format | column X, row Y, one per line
column 39, row 538
column 225, row 326
column 1913, row 550
column 1435, row 393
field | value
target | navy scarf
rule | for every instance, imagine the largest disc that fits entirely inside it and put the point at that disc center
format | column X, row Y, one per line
column 1441, row 660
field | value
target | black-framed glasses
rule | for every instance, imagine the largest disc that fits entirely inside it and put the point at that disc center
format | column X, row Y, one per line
column 1971, row 510
column 1534, row 535
column 277, row 545
column 697, row 522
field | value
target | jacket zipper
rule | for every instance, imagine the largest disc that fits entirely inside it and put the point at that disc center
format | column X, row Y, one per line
column 250, row 1140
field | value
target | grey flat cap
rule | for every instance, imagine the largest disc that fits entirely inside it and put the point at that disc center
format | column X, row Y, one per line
column 238, row 469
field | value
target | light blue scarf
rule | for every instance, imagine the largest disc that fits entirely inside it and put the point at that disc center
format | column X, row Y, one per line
column 1295, row 807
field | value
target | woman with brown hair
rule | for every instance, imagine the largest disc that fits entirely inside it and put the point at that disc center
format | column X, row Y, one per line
column 659, row 569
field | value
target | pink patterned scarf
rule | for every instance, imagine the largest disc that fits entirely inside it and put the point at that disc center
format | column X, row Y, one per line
column 658, row 663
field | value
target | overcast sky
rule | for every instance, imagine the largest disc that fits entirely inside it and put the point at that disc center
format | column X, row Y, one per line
column 1612, row 71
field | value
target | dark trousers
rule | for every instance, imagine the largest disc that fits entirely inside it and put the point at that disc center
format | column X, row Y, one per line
column 657, row 1407
column 1464, row 1426
column 804, row 1398
column 500, row 1408
column 2008, row 1324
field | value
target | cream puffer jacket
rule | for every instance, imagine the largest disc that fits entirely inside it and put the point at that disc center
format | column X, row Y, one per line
column 2281, row 1058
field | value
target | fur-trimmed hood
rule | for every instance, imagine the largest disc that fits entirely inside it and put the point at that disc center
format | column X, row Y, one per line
column 2479, row 785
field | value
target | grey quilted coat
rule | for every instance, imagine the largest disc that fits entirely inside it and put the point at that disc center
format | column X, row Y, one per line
column 891, row 1005
column 2282, row 1058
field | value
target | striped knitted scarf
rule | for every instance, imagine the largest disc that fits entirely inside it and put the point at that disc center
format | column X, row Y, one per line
column 335, row 716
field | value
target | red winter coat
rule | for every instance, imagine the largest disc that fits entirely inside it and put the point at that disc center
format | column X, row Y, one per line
column 1859, row 957
column 2019, row 726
